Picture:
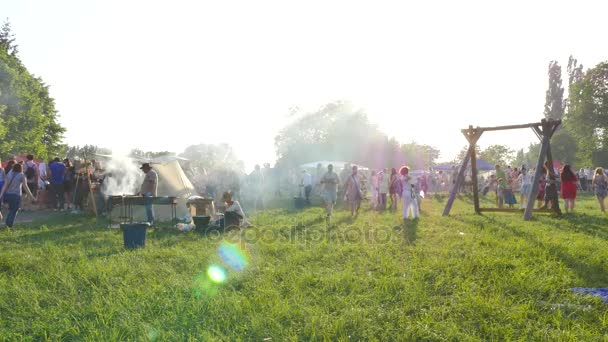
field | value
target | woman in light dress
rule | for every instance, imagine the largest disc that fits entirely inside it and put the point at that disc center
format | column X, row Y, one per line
column 409, row 194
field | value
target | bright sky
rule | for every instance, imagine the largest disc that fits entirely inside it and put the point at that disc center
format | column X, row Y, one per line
column 162, row 75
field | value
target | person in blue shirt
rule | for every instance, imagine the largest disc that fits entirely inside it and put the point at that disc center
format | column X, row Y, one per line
column 57, row 171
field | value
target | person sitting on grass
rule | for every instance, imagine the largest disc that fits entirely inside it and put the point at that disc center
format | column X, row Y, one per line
column 233, row 208
column 600, row 187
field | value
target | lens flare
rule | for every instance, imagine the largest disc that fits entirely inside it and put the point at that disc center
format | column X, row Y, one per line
column 216, row 274
column 233, row 256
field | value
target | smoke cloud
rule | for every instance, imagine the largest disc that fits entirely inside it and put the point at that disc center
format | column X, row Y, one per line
column 123, row 176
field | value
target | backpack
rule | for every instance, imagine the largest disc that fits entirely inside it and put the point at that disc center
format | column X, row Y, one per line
column 30, row 173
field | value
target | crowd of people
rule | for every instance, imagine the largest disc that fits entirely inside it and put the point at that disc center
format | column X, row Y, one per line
column 65, row 185
column 563, row 182
column 55, row 185
column 352, row 187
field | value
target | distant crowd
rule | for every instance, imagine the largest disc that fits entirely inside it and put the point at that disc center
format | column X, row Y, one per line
column 565, row 181
column 56, row 185
column 66, row 185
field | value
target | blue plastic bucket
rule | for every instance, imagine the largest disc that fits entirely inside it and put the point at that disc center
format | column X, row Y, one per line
column 134, row 234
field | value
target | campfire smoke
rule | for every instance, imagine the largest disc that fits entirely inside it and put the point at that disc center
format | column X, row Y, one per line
column 122, row 176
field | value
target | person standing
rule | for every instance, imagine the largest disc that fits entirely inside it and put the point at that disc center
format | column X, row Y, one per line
column 550, row 186
column 525, row 179
column 393, row 188
column 568, row 187
column 599, row 185
column 68, row 182
column 306, row 183
column 149, row 188
column 542, row 186
column 257, row 183
column 500, row 193
column 424, row 184
column 11, row 193
column 82, row 187
column 589, row 174
column 330, row 183
column 319, row 188
column 384, row 188
column 409, row 194
column 353, row 193
column 344, row 174
column 582, row 176
column 375, row 189
column 32, row 174
column 57, row 172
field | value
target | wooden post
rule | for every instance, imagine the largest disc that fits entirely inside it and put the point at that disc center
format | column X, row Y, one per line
column 473, row 143
column 457, row 184
column 546, row 133
column 536, row 180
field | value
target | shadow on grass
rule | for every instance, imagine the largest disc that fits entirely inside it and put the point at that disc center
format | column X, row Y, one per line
column 410, row 231
column 587, row 224
column 592, row 273
column 439, row 197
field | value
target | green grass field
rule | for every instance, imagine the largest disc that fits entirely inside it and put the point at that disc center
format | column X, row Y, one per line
column 463, row 277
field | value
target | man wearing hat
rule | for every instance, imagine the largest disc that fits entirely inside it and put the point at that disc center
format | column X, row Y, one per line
column 149, row 189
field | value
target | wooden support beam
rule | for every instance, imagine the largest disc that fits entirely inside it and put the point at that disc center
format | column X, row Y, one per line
column 555, row 126
column 457, row 184
column 503, row 128
column 513, row 210
column 474, row 136
column 535, row 182
column 538, row 132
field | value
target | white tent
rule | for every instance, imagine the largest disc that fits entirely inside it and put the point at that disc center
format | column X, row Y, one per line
column 172, row 180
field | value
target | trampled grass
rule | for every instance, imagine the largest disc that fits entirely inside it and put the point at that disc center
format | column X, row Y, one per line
column 463, row 277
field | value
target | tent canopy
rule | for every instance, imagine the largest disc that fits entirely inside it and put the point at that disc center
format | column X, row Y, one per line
column 172, row 181
column 484, row 165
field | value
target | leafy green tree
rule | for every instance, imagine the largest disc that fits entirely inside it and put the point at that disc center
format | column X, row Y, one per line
column 463, row 153
column 575, row 71
column 554, row 100
column 497, row 154
column 7, row 39
column 210, row 156
column 338, row 131
column 87, row 152
column 587, row 117
column 28, row 119
column 531, row 156
column 564, row 147
column 520, row 158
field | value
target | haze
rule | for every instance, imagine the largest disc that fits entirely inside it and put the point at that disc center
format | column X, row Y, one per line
column 164, row 75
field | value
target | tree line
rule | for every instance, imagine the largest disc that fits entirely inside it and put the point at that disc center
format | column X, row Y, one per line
column 28, row 118
column 582, row 139
column 340, row 132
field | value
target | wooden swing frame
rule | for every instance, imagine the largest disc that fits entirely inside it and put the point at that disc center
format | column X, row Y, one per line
column 544, row 130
